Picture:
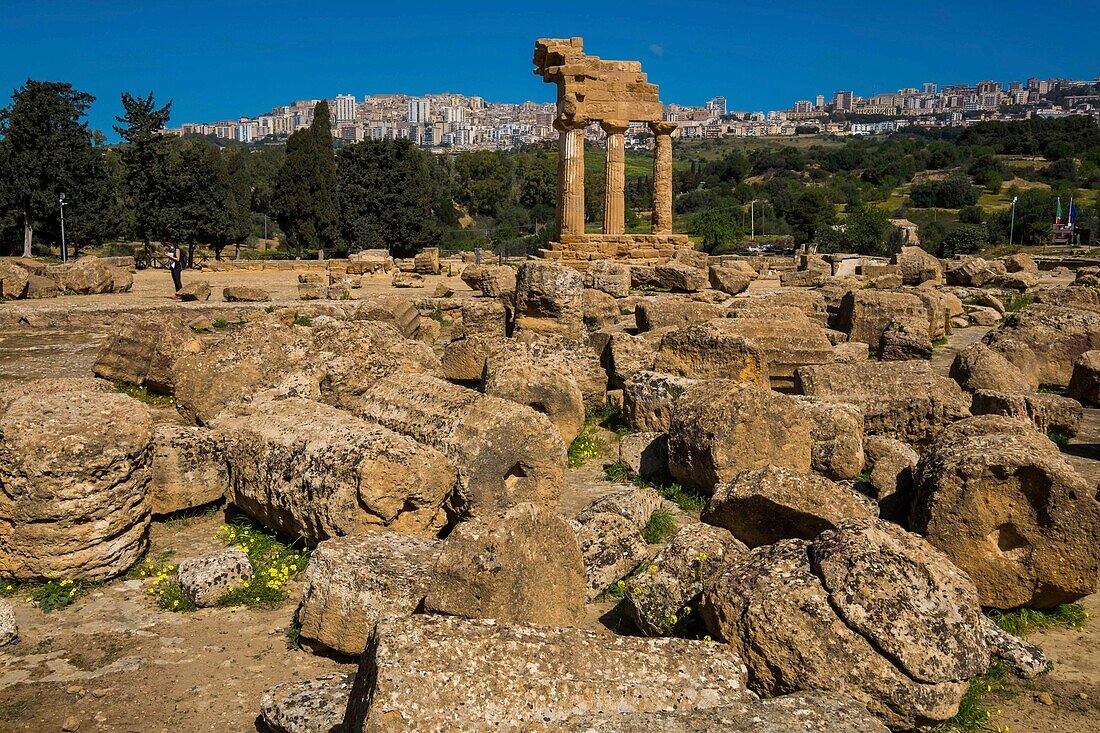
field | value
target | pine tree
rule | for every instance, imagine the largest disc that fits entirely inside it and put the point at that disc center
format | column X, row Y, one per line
column 305, row 196
column 145, row 153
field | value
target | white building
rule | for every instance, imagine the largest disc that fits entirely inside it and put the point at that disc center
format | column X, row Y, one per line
column 343, row 107
column 419, row 110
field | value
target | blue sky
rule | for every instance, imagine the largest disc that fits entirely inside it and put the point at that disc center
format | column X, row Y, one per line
column 238, row 57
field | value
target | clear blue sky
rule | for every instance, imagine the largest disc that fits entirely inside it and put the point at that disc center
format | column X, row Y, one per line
column 238, row 57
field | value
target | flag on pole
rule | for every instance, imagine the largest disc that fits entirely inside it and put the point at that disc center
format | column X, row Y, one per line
column 1058, row 216
column 1072, row 212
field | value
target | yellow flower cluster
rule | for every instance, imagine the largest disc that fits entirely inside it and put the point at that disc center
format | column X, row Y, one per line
column 163, row 575
column 279, row 576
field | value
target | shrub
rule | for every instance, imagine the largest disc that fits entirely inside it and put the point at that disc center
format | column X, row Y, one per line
column 661, row 526
column 275, row 563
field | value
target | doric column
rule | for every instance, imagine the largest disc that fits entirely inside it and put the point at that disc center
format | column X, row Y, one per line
column 614, row 193
column 570, row 178
column 662, row 176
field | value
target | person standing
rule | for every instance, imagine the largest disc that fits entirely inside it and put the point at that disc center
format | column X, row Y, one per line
column 175, row 265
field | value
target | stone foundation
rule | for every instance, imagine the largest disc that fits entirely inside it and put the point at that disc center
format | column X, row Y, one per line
column 634, row 249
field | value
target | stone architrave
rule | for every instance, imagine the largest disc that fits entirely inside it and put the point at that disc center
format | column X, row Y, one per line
column 615, row 179
column 570, row 178
column 662, row 176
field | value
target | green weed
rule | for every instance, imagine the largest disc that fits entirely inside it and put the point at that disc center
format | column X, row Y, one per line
column 219, row 323
column 661, row 526
column 610, row 417
column 1058, row 438
column 584, row 446
column 274, row 564
column 49, row 596
column 942, row 341
column 1047, row 389
column 143, row 394
column 1018, row 302
column 974, row 715
column 294, row 632
column 300, row 320
column 687, row 499
column 1023, row 621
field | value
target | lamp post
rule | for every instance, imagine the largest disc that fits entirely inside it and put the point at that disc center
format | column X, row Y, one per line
column 64, row 252
column 1012, row 220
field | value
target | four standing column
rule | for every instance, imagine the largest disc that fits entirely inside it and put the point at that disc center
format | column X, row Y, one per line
column 662, row 176
column 614, row 194
column 570, row 179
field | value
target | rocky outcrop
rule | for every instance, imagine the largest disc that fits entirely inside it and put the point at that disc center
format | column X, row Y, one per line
column 648, row 398
column 769, row 504
column 74, row 478
column 710, row 350
column 352, row 582
column 865, row 315
column 917, row 266
column 866, row 611
column 442, row 674
column 1054, row 338
column 143, row 350
column 310, row 470
column 549, row 299
column 1000, row 500
column 836, row 430
column 505, row 453
column 1049, row 413
column 1084, row 382
column 980, row 367
column 316, row 705
column 889, row 465
column 904, row 400
column 520, row 566
column 720, row 428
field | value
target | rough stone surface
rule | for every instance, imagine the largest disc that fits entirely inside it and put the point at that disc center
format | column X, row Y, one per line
column 1049, row 413
column 1000, row 500
column 483, row 317
column 720, row 428
column 836, row 430
column 730, row 280
column 789, row 339
column 769, row 504
column 244, row 294
column 902, row 342
column 442, row 674
column 521, row 566
column 1024, row 659
column 352, row 582
column 308, row 469
column 9, row 629
column 317, row 705
column 890, row 464
column 655, row 599
column 206, row 579
column 87, row 276
column 195, row 290
column 810, row 711
column 812, row 616
column 505, row 453
column 13, row 281
column 143, row 350
column 904, row 399
column 648, row 398
column 540, row 386
column 1084, row 382
column 712, row 351
column 918, row 266
column 635, row 504
column 549, row 300
column 678, row 276
column 645, row 454
column 865, row 316
column 672, row 311
column 1055, row 337
column 74, row 477
column 611, row 546
column 610, row 277
column 498, row 281
column 187, row 468
column 980, row 367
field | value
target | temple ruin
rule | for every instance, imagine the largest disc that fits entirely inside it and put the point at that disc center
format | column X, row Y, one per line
column 614, row 94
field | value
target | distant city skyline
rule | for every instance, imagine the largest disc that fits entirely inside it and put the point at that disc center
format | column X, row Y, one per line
column 221, row 61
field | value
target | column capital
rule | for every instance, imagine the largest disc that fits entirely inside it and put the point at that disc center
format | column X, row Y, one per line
column 662, row 127
column 571, row 123
column 614, row 127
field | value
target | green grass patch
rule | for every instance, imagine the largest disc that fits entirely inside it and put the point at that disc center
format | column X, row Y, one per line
column 48, row 596
column 300, row 320
column 275, row 563
column 1060, row 439
column 661, row 526
column 616, row 591
column 584, row 446
column 687, row 499
column 143, row 394
column 611, row 418
column 1018, row 302
column 942, row 341
column 294, row 632
column 1023, row 621
column 1045, row 389
column 219, row 323
column 974, row 714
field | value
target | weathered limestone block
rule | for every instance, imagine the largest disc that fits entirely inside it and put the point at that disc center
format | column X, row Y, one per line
column 980, row 367
column 498, row 281
column 200, row 290
column 610, row 277
column 600, row 309
column 648, row 398
column 520, row 566
column 244, row 294
column 655, row 600
column 441, row 674
column 890, row 465
column 464, row 360
column 1084, row 382
column 866, row 611
column 1024, row 659
column 206, row 579
column 673, row 311
column 308, row 469
column 811, row 303
column 40, row 286
column 770, row 504
column 836, row 430
column 971, row 272
column 143, row 350
column 408, row 280
column 352, row 582
column 865, row 315
column 1049, row 413
column 902, row 399
column 1055, row 336
column 505, row 453
column 548, row 299
column 810, row 711
column 918, row 266
column 74, row 477
column 788, row 340
column 426, row 261
column 483, row 317
column 711, row 350
column 87, row 276
column 681, row 277
column 645, row 454
column 1021, row 262
column 903, row 342
column 1000, row 500
column 611, row 546
column 720, row 428
column 316, row 705
column 187, row 469
column 569, row 357
column 627, row 354
column 13, row 281
column 9, row 629
column 730, row 280
column 539, row 386
column 401, row 313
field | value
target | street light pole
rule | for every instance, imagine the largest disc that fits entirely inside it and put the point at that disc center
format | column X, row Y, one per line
column 752, row 219
column 1012, row 220
column 64, row 251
